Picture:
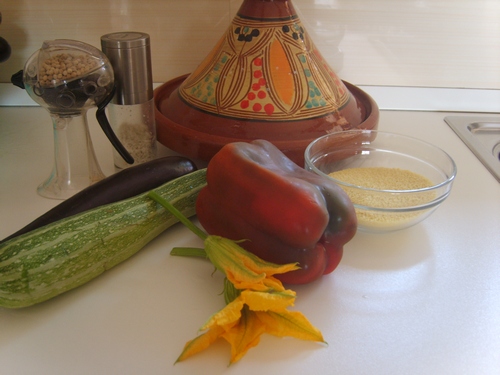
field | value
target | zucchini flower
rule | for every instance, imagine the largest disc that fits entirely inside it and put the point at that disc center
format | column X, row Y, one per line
column 256, row 301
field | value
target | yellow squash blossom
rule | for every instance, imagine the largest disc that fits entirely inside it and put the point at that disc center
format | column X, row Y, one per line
column 244, row 320
column 256, row 301
column 242, row 268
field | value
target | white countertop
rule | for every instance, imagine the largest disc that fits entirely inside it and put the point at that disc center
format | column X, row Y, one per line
column 425, row 300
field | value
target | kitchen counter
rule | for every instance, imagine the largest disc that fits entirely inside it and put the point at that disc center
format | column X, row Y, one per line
column 425, row 300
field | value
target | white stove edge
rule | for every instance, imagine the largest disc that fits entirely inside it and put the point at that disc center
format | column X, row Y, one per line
column 396, row 98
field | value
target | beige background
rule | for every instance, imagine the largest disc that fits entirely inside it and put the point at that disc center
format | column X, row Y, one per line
column 424, row 43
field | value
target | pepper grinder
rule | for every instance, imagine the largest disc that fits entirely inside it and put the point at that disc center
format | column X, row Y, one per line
column 131, row 111
column 67, row 78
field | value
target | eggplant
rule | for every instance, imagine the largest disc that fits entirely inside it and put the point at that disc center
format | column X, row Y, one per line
column 119, row 186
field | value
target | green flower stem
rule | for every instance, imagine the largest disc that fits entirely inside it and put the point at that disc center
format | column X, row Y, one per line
column 189, row 252
column 174, row 211
column 230, row 292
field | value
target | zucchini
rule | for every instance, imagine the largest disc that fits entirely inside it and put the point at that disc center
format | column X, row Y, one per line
column 58, row 257
column 119, row 186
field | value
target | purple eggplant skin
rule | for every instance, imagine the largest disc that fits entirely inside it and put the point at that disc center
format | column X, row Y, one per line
column 124, row 184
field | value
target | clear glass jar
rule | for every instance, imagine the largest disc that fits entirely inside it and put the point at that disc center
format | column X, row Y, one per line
column 134, row 125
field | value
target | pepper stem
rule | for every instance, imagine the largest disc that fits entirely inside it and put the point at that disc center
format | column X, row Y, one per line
column 174, row 211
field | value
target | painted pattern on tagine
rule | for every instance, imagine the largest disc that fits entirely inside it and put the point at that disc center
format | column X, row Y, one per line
column 266, row 70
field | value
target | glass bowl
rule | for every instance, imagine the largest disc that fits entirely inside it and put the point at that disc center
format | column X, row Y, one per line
column 394, row 181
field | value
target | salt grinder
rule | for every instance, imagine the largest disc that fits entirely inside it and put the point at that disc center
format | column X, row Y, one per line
column 131, row 111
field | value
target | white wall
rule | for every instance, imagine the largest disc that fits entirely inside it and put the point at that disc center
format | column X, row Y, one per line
column 425, row 43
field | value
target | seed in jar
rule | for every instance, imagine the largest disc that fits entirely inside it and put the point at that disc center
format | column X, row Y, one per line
column 62, row 67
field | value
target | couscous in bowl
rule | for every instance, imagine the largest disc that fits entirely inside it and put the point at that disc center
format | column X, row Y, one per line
column 394, row 181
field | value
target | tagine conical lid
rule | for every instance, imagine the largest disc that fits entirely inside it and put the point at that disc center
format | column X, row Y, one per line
column 264, row 79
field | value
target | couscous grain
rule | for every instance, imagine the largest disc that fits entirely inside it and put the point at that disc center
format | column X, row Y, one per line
column 382, row 178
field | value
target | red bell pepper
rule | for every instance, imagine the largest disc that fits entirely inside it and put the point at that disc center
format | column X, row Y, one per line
column 285, row 213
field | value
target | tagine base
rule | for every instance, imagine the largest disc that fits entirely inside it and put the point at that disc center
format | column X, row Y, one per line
column 198, row 144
